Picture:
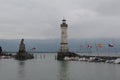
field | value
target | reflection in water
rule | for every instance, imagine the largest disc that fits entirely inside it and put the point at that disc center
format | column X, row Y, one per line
column 21, row 69
column 63, row 71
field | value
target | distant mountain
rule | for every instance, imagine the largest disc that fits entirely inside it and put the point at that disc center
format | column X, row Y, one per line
column 75, row 45
column 38, row 45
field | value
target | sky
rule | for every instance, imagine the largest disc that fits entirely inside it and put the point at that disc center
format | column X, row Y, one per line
column 41, row 19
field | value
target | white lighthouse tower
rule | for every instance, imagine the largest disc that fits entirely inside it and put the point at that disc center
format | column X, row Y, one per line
column 64, row 41
column 64, row 52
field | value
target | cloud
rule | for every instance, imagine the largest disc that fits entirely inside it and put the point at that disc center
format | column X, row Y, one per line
column 109, row 8
column 42, row 18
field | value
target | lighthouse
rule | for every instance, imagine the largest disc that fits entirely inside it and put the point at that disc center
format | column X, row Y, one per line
column 64, row 51
column 64, row 41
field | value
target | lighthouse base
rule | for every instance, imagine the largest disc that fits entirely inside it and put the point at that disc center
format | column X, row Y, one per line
column 62, row 55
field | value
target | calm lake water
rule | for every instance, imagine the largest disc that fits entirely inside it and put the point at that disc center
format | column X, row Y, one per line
column 45, row 67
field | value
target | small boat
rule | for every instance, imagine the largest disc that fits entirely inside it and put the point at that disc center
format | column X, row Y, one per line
column 117, row 61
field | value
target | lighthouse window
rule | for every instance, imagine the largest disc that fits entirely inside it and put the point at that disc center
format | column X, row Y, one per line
column 62, row 32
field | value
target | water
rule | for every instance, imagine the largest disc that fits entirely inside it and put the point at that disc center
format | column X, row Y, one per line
column 45, row 67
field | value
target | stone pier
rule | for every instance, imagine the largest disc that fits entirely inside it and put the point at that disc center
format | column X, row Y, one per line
column 22, row 54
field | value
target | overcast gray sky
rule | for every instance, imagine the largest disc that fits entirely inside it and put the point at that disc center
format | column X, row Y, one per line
column 41, row 19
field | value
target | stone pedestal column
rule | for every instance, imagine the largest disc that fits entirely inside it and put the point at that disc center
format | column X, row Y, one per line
column 22, row 47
